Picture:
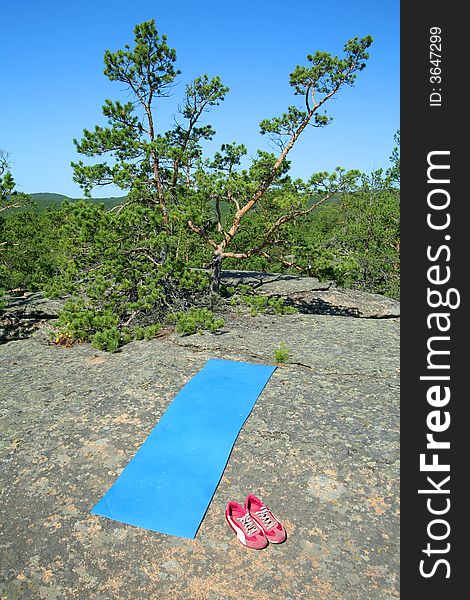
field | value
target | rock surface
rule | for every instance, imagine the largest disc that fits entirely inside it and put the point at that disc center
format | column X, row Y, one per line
column 25, row 314
column 312, row 296
column 33, row 305
column 321, row 447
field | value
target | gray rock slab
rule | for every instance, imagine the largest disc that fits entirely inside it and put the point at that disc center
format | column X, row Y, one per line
column 25, row 314
column 321, row 447
column 274, row 283
column 313, row 296
column 352, row 303
column 33, row 305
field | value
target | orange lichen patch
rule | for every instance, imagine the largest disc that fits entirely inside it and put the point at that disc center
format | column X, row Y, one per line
column 84, row 530
column 90, row 447
column 312, row 466
column 93, row 520
column 96, row 360
column 323, row 590
column 314, row 563
column 289, row 526
column 54, row 525
column 374, row 572
column 93, row 527
column 42, row 484
column 314, row 549
column 318, row 533
column 113, row 585
column 125, row 419
column 152, row 575
column 182, row 556
column 200, row 588
column 378, row 504
column 14, row 444
column 390, row 593
column 47, row 576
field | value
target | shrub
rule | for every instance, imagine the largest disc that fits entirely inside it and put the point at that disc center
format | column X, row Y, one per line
column 281, row 354
column 107, row 339
column 260, row 304
column 145, row 333
column 196, row 319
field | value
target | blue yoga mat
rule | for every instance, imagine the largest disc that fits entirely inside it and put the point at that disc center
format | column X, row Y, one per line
column 168, row 485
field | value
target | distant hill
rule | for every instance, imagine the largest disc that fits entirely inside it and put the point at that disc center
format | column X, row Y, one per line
column 45, row 200
column 48, row 198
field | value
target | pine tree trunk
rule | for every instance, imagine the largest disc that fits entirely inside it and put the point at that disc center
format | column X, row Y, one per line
column 216, row 273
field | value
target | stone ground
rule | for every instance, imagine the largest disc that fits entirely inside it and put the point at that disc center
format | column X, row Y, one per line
column 321, row 447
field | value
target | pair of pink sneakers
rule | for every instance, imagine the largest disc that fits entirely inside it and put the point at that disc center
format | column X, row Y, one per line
column 254, row 524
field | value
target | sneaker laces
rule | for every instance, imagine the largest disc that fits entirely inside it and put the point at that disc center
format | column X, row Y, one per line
column 266, row 517
column 248, row 524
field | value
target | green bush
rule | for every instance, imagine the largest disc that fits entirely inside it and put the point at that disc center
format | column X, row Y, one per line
column 146, row 333
column 107, row 339
column 121, row 271
column 196, row 319
column 281, row 354
column 29, row 249
column 261, row 304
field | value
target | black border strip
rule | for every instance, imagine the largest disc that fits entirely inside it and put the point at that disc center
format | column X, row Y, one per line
column 433, row 124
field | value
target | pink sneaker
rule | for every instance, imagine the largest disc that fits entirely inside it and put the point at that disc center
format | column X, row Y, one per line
column 273, row 529
column 248, row 533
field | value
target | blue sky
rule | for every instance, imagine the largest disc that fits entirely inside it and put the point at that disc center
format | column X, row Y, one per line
column 53, row 84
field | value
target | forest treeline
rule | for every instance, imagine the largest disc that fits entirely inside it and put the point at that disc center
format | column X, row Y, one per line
column 131, row 268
